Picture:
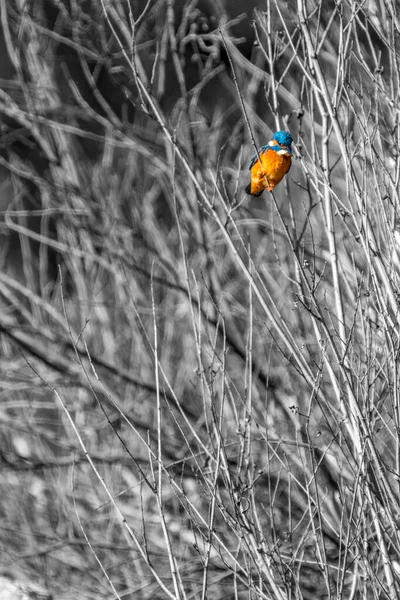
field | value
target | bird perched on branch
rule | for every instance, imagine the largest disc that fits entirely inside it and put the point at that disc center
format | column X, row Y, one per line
column 271, row 164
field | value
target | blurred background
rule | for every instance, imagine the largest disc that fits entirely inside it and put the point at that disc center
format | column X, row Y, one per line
column 199, row 389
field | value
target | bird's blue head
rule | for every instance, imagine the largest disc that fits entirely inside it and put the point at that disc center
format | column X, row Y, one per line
column 283, row 138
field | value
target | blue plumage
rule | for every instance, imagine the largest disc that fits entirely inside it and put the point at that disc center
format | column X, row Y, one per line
column 283, row 138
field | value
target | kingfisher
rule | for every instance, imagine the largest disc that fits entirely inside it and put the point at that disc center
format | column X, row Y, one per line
column 274, row 162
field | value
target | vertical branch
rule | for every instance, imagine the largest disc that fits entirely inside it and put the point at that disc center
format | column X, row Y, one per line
column 331, row 234
column 158, row 482
column 270, row 58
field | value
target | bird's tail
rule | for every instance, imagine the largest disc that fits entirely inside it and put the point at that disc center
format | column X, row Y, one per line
column 247, row 189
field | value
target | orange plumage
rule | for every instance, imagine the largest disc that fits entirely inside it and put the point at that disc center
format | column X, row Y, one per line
column 274, row 161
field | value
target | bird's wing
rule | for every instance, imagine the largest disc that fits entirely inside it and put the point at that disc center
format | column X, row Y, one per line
column 255, row 157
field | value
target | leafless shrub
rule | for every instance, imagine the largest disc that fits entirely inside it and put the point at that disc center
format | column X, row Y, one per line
column 200, row 391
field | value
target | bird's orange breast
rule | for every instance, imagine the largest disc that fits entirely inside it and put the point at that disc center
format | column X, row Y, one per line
column 270, row 172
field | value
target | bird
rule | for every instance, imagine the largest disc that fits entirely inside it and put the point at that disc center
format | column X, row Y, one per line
column 271, row 164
